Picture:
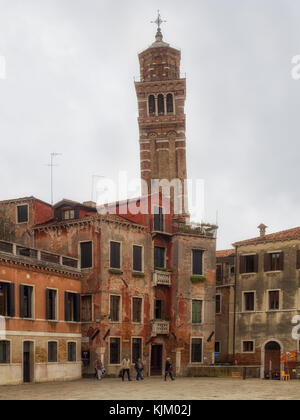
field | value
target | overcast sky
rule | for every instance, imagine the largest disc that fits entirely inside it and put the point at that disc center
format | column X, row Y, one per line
column 69, row 89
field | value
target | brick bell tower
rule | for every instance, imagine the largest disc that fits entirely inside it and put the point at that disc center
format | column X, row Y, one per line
column 161, row 95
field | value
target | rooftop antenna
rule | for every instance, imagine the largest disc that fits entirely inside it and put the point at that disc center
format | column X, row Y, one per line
column 51, row 165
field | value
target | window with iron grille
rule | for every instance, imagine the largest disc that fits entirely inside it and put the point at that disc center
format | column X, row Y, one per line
column 159, row 257
column 115, row 255
column 249, row 301
column 22, row 214
column 248, row 347
column 197, row 306
column 137, row 258
column 86, row 309
column 196, row 353
column 51, row 304
column 115, row 302
column 274, row 300
column 72, row 352
column 136, row 349
column 4, row 352
column 52, row 352
column 114, row 351
column 86, row 254
column 137, row 304
column 197, row 262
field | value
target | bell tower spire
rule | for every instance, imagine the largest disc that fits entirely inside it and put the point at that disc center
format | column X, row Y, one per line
column 161, row 94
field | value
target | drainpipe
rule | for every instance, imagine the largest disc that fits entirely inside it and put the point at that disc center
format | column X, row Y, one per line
column 235, row 301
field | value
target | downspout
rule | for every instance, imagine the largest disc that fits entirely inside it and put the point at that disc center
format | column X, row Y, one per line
column 235, row 301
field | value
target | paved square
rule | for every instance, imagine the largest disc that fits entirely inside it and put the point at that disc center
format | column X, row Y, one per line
column 155, row 389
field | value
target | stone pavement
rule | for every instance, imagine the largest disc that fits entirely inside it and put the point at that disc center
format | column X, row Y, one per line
column 156, row 389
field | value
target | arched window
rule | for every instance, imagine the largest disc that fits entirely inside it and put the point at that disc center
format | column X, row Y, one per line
column 161, row 104
column 170, row 103
column 151, row 105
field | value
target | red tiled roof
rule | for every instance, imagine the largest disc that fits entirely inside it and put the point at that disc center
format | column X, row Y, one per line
column 293, row 233
column 225, row 253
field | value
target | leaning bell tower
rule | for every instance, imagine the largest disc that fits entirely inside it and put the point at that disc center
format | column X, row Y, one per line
column 161, row 94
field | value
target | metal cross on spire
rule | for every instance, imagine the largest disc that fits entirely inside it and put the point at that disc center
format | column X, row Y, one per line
column 159, row 20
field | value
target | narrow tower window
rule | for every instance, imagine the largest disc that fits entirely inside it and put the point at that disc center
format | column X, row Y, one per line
column 170, row 104
column 161, row 104
column 151, row 105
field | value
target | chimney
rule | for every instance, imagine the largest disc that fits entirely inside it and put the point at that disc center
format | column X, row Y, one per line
column 262, row 229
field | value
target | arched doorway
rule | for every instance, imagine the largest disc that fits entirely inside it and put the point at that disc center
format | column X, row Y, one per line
column 272, row 362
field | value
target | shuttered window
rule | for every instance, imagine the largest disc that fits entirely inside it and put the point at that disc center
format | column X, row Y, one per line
column 274, row 261
column 26, row 301
column 114, row 351
column 4, row 352
column 159, row 221
column 72, row 352
column 115, row 255
column 137, row 304
column 196, row 351
column 248, row 264
column 86, row 254
column 197, row 311
column 137, row 258
column 115, row 308
column 52, row 352
column 136, row 349
column 7, row 299
column 72, row 307
column 51, row 304
column 274, row 300
column 197, row 262
column 22, row 214
column 159, row 257
column 159, row 309
column 298, row 260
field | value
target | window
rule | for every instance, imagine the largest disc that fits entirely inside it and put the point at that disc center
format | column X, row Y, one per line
column 52, row 352
column 137, row 304
column 22, row 214
column 159, row 309
column 114, row 351
column 170, row 104
column 161, row 104
column 4, row 352
column 136, row 349
column 298, row 260
column 217, row 347
column 249, row 301
column 219, row 274
column 115, row 308
column 68, row 214
column 274, row 261
column 7, row 299
column 86, row 254
column 72, row 307
column 159, row 219
column 197, row 262
column 218, row 304
column 151, row 105
column 137, row 258
column 115, row 255
column 274, row 300
column 26, row 301
column 196, row 351
column 248, row 264
column 51, row 305
column 197, row 311
column 72, row 352
column 159, row 257
column 248, row 346
column 86, row 309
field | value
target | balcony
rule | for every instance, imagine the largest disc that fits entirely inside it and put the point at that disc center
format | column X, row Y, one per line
column 161, row 278
column 160, row 327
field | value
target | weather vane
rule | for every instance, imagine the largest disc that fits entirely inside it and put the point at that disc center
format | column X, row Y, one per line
column 159, row 20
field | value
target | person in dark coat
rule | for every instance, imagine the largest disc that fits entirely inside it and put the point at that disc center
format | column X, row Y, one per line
column 168, row 369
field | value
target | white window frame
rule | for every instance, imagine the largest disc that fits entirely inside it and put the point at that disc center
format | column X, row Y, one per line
column 244, row 303
column 56, row 305
column 268, row 300
column 203, row 259
column 248, row 352
column 33, row 318
column 76, row 357
column 142, row 311
column 202, row 312
column 191, row 346
column 143, row 262
column 131, row 341
column 121, row 255
column 115, row 364
column 120, row 309
column 57, row 352
column 10, row 352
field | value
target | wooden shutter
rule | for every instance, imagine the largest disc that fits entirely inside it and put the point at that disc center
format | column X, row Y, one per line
column 267, row 262
column 242, row 264
column 48, row 303
column 115, row 255
column 67, row 306
column 197, row 262
column 86, row 251
column 21, row 301
column 256, row 263
column 298, row 259
column 137, row 258
column 281, row 261
column 77, row 308
column 11, row 300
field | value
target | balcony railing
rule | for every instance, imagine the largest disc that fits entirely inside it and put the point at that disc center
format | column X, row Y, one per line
column 38, row 255
column 160, row 327
column 161, row 278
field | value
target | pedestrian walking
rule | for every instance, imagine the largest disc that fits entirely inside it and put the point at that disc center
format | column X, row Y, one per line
column 168, row 369
column 126, row 367
column 139, row 368
column 99, row 369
